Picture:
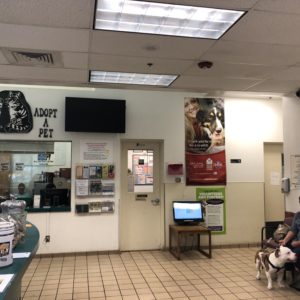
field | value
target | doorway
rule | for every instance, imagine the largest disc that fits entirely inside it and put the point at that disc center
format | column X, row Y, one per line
column 141, row 201
column 274, row 198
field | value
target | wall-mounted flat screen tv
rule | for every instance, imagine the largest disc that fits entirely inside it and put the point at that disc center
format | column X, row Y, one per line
column 95, row 115
column 187, row 212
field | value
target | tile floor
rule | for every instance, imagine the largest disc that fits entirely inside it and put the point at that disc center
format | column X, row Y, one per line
column 147, row 275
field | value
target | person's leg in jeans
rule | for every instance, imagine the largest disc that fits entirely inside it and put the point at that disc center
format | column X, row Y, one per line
column 297, row 251
column 295, row 268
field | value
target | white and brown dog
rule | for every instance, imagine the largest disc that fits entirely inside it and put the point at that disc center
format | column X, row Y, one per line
column 211, row 118
column 273, row 263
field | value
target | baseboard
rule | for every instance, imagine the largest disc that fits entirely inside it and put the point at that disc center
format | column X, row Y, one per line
column 227, row 246
column 69, row 254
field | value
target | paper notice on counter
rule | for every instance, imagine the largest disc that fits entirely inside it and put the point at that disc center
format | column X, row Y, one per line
column 4, row 281
column 21, row 255
column 36, row 201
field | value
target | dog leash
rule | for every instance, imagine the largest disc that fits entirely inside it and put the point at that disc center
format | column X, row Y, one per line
column 278, row 268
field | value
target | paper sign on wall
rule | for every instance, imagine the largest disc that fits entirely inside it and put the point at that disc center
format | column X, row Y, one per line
column 96, row 151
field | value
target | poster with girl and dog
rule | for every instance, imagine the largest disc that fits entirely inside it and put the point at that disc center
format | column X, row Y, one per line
column 205, row 141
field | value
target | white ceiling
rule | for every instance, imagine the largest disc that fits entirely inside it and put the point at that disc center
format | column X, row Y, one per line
column 261, row 53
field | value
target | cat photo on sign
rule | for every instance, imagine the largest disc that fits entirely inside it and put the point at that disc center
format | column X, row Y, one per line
column 15, row 113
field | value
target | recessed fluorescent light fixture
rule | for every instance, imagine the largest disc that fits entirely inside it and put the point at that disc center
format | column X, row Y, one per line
column 164, row 19
column 131, row 78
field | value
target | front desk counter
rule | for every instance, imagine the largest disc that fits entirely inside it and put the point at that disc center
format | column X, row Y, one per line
column 19, row 265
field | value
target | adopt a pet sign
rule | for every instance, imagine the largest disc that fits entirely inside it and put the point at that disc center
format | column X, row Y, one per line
column 46, row 113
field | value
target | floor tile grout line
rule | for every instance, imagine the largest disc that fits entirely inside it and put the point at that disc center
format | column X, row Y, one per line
column 76, row 261
column 132, row 258
column 109, row 256
column 160, row 265
column 169, row 275
column 32, row 276
column 60, row 279
column 41, row 293
column 186, row 279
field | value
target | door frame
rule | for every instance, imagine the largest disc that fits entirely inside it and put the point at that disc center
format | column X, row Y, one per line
column 267, row 148
column 161, row 186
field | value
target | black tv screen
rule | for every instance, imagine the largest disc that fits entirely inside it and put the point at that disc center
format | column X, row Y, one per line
column 54, row 197
column 95, row 115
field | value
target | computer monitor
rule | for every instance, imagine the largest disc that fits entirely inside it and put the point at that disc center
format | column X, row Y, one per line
column 38, row 186
column 54, row 198
column 187, row 212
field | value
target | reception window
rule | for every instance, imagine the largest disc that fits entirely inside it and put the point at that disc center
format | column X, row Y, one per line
column 36, row 172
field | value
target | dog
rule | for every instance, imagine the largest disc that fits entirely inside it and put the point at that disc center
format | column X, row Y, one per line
column 273, row 263
column 211, row 117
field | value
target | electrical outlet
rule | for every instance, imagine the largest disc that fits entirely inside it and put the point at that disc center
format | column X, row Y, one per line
column 47, row 239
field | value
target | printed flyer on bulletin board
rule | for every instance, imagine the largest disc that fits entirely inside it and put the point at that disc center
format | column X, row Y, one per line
column 213, row 201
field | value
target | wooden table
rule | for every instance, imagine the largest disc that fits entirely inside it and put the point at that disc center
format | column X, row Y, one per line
column 178, row 231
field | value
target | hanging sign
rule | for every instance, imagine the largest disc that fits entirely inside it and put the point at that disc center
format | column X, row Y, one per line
column 48, row 113
column 15, row 113
column 204, row 141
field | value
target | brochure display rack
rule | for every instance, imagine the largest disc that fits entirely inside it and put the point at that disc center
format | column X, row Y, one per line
column 95, row 181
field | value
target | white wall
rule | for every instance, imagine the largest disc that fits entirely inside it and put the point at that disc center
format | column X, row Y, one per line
column 250, row 123
column 291, row 146
column 159, row 115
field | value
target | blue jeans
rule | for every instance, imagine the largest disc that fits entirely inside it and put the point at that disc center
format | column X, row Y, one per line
column 290, row 266
column 297, row 251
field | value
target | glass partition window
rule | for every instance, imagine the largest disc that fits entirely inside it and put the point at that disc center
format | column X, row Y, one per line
column 29, row 168
column 140, row 170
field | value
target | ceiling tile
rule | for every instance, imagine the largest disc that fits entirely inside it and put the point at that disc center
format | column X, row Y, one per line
column 275, row 86
column 147, row 45
column 33, row 37
column 266, row 27
column 137, row 64
column 198, row 83
column 253, row 53
column 43, row 74
column 53, row 13
column 292, row 73
column 232, row 70
column 75, row 60
column 286, row 6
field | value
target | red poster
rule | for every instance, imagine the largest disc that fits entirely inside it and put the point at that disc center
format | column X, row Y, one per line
column 205, row 141
column 207, row 169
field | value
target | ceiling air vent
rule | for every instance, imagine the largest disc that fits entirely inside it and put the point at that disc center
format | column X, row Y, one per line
column 27, row 57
